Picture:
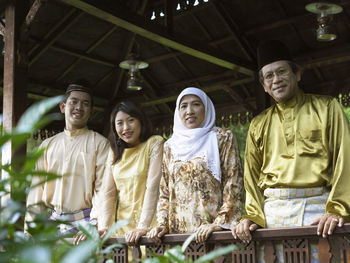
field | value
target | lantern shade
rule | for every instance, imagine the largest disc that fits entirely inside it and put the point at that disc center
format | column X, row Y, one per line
column 133, row 65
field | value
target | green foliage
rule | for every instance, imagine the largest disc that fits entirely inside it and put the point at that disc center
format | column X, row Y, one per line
column 177, row 254
column 346, row 109
column 42, row 243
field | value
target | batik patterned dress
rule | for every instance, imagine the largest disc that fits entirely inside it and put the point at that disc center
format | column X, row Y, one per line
column 190, row 196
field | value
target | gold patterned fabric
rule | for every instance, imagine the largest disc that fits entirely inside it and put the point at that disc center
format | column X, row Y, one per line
column 80, row 156
column 190, row 196
column 131, row 186
column 302, row 143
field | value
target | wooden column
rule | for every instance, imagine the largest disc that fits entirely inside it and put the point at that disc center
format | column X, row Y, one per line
column 15, row 74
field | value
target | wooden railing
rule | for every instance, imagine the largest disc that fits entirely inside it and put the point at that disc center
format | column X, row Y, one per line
column 295, row 242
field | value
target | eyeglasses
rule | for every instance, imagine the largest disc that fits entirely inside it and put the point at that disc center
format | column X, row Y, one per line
column 281, row 72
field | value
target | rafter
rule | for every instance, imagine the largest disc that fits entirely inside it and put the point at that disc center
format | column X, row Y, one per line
column 2, row 28
column 90, row 49
column 234, row 30
column 207, row 89
column 34, row 9
column 55, row 35
column 236, row 97
column 155, row 32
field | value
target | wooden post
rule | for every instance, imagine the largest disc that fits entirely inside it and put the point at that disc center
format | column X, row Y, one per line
column 15, row 74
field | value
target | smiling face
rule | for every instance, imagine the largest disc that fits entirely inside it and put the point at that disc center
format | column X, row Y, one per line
column 128, row 128
column 76, row 109
column 191, row 111
column 280, row 81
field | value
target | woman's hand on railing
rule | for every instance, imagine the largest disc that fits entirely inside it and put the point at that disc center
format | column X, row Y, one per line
column 133, row 236
column 156, row 233
column 242, row 230
column 204, row 231
column 327, row 223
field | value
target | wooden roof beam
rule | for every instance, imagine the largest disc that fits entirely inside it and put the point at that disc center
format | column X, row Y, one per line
column 34, row 9
column 207, row 89
column 148, row 29
column 2, row 28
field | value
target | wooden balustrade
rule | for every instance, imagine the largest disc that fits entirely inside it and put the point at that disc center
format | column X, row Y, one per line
column 295, row 242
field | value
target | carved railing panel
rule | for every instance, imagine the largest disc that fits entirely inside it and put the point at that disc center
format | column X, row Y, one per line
column 296, row 250
column 156, row 249
column 121, row 254
column 195, row 250
column 295, row 243
column 245, row 255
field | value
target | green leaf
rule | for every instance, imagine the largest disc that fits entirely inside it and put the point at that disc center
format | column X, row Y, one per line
column 114, row 229
column 80, row 253
column 216, row 253
column 90, row 231
column 175, row 254
column 109, row 249
column 36, row 254
column 188, row 242
column 155, row 258
column 32, row 117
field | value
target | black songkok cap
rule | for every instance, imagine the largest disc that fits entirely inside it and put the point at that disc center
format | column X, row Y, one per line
column 270, row 51
column 79, row 85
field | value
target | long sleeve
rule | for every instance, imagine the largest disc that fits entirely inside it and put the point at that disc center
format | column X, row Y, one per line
column 106, row 217
column 232, row 182
column 101, row 158
column 163, row 202
column 339, row 142
column 152, row 184
column 254, row 194
column 35, row 196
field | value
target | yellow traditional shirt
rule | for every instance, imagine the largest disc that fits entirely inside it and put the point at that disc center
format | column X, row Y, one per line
column 302, row 143
column 190, row 196
column 79, row 156
column 131, row 186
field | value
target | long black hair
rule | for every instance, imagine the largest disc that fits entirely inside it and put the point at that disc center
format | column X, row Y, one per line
column 128, row 107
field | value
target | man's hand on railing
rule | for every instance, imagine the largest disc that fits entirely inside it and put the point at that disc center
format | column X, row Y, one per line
column 80, row 236
column 204, row 231
column 133, row 236
column 242, row 230
column 327, row 223
column 156, row 233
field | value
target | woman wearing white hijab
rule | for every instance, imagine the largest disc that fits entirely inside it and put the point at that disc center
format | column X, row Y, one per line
column 201, row 187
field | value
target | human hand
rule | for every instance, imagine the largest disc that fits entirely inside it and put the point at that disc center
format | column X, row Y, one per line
column 133, row 236
column 327, row 223
column 242, row 230
column 80, row 236
column 156, row 233
column 204, row 231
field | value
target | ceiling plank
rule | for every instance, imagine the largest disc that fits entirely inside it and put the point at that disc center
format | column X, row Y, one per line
column 90, row 49
column 148, row 29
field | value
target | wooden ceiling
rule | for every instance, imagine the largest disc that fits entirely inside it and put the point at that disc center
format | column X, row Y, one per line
column 209, row 44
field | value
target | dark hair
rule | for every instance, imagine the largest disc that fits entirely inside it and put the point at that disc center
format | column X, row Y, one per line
column 294, row 66
column 117, row 144
column 79, row 85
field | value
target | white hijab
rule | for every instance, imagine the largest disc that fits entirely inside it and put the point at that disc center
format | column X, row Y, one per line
column 187, row 144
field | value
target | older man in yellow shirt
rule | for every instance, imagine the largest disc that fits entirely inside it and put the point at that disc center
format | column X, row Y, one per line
column 79, row 155
column 296, row 160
